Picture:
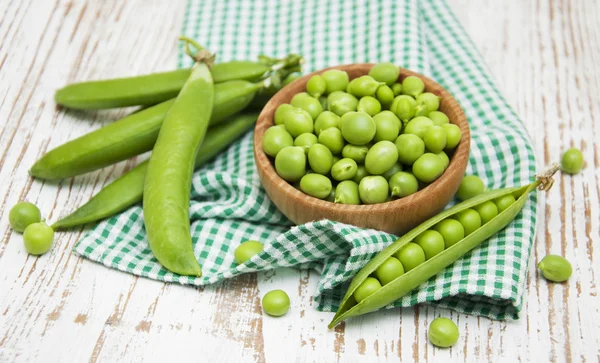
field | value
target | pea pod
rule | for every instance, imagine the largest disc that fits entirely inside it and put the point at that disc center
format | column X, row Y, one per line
column 168, row 180
column 153, row 88
column 127, row 190
column 406, row 282
column 133, row 135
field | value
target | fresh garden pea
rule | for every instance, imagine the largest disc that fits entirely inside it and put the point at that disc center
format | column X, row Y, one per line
column 572, row 161
column 323, row 100
column 452, row 231
column 290, row 163
column 410, row 148
column 38, row 238
column 331, row 196
column 320, row 159
column 305, row 141
column 428, row 167
column 373, row 189
column 397, row 89
column 275, row 139
column 430, row 101
column 335, row 80
column 344, row 169
column 341, row 103
column 346, row 192
column 470, row 186
column 333, row 139
column 297, row 121
column 432, row 243
column 385, row 95
column 487, row 211
column 246, row 250
column 316, row 86
column 354, row 152
column 470, row 220
column 411, row 256
column 387, row 126
column 316, row 185
column 504, row 202
column 445, row 159
column 369, row 105
column 309, row 104
column 443, row 333
column 555, row 268
column 23, row 214
column 438, row 118
column 381, row 157
column 361, row 172
column 363, row 86
column 276, row 303
column 435, row 139
column 418, row 126
column 389, row 270
column 453, row 136
column 326, row 120
column 367, row 288
column 403, row 184
column 386, row 72
column 391, row 171
column 279, row 113
column 358, row 128
column 404, row 107
column 412, row 86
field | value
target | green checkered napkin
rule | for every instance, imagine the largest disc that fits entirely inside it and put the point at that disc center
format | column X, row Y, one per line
column 230, row 206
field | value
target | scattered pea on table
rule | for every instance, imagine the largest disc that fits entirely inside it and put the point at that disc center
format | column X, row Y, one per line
column 276, row 303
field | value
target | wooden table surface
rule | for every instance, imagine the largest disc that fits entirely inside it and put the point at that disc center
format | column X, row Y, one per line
column 545, row 56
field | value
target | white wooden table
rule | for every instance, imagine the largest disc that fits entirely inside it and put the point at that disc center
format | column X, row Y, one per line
column 59, row 308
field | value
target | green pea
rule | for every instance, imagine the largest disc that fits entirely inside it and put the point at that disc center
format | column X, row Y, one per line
column 432, row 243
column 418, row 126
column 470, row 220
column 381, row 157
column 487, row 211
column 316, row 185
column 323, row 100
column 320, row 159
column 369, row 105
column 297, row 121
column 22, row 215
column 470, row 186
column 326, row 120
column 358, row 128
column 445, row 159
column 430, row 101
column 391, row 171
column 411, row 256
column 363, row 86
column 373, row 189
column 38, row 238
column 275, row 139
column 333, row 139
column 412, row 86
column 290, row 163
column 280, row 112
column 410, row 148
column 387, row 126
column 504, row 202
column 389, row 270
column 361, row 172
column 438, row 118
column 443, row 333
column 276, row 303
column 453, row 136
column 435, row 139
column 387, row 73
column 246, row 250
column 403, row 184
column 572, row 161
column 404, row 107
column 397, row 88
column 316, row 86
column 335, row 80
column 341, row 103
column 452, row 231
column 309, row 104
column 336, row 158
column 555, row 268
column 385, row 95
column 344, row 169
column 366, row 289
column 355, row 152
column 331, row 196
column 428, row 167
column 346, row 192
column 305, row 141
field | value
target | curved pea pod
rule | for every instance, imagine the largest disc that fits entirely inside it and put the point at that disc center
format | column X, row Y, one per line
column 128, row 189
column 403, row 284
column 133, row 135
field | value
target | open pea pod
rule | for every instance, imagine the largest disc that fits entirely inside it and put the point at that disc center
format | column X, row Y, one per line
column 408, row 281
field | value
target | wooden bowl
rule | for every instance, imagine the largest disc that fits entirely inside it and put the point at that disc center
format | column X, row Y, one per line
column 396, row 216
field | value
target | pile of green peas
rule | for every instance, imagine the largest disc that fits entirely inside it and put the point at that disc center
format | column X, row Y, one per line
column 25, row 217
column 362, row 141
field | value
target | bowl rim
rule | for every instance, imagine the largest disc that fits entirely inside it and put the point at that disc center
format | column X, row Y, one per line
column 265, row 121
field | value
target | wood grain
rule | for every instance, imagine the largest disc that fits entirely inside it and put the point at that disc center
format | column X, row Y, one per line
column 544, row 55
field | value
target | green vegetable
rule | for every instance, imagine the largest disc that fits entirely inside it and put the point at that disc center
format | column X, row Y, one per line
column 361, row 172
column 373, row 189
column 369, row 105
column 418, row 126
column 280, row 112
column 432, row 243
column 428, row 167
column 435, row 139
column 275, row 139
column 429, row 101
column 391, row 171
column 403, row 184
column 346, row 192
column 504, row 202
column 366, row 289
column 316, row 86
column 572, row 161
column 320, row 159
column 290, row 163
column 555, row 268
column 305, row 141
column 451, row 230
column 344, row 169
column 316, row 185
column 335, row 80
column 22, row 215
column 357, row 128
column 470, row 220
column 309, row 104
column 404, row 107
column 38, row 238
column 326, row 120
column 438, row 118
column 487, row 211
column 333, row 139
column 354, row 152
column 276, row 303
column 411, row 256
column 385, row 72
column 397, row 89
column 341, row 103
column 470, row 186
column 385, row 95
column 363, row 86
column 443, row 333
column 453, row 136
column 412, row 86
column 445, row 159
column 169, row 176
column 297, row 121
column 387, row 126
column 410, row 148
column 381, row 157
column 246, row 250
column 389, row 270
